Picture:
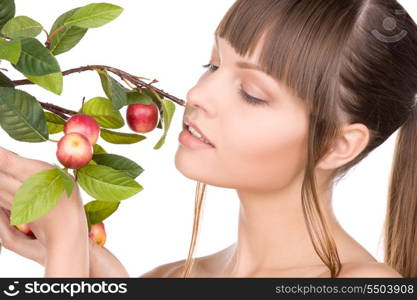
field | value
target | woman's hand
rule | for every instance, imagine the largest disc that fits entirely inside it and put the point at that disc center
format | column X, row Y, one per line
column 68, row 212
column 61, row 233
column 15, row 169
column 102, row 262
column 63, row 230
column 18, row 242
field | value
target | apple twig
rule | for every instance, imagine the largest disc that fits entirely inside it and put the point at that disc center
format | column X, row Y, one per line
column 134, row 80
column 60, row 111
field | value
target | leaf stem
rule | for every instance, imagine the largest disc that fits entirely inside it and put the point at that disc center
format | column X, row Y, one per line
column 82, row 105
column 139, row 77
column 47, row 43
column 55, row 141
column 51, row 36
column 128, row 83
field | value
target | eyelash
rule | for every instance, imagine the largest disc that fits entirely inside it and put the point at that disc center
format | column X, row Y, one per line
column 248, row 98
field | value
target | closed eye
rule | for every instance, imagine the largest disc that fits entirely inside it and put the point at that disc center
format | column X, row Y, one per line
column 250, row 99
column 245, row 96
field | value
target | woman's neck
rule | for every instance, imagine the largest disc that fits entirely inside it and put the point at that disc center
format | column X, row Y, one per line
column 272, row 232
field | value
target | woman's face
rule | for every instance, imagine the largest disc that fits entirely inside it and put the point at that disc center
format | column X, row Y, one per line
column 259, row 145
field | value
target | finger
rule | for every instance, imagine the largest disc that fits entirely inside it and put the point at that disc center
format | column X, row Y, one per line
column 5, row 234
column 6, row 211
column 20, row 167
column 8, row 189
column 8, row 183
column 10, row 231
column 6, row 200
column 18, row 242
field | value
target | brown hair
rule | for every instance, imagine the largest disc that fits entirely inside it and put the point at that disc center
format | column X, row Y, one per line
column 343, row 58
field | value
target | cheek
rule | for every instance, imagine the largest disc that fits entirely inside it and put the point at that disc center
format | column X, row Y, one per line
column 266, row 156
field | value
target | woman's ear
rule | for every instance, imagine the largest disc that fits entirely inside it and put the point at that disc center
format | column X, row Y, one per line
column 352, row 140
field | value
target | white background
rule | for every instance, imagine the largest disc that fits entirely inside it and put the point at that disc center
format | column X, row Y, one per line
column 170, row 41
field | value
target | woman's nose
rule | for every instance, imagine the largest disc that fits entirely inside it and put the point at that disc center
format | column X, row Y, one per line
column 199, row 98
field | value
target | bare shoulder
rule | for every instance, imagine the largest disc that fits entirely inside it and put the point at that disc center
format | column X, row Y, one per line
column 166, row 270
column 368, row 269
column 202, row 266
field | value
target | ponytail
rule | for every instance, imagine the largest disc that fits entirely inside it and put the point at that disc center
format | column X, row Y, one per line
column 400, row 240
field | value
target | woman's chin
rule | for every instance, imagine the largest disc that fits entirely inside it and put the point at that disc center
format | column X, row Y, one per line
column 197, row 167
column 186, row 167
column 189, row 168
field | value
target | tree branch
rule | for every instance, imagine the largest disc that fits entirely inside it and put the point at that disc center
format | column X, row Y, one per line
column 60, row 111
column 122, row 74
column 135, row 80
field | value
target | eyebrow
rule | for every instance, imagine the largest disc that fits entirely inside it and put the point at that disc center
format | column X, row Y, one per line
column 246, row 65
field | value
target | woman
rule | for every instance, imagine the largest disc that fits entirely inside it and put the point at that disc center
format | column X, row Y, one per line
column 297, row 93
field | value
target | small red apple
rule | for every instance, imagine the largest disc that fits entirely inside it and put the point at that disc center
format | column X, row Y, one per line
column 98, row 233
column 74, row 150
column 25, row 229
column 142, row 117
column 85, row 125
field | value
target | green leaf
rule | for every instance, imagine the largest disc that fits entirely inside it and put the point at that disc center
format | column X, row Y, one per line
column 21, row 116
column 98, row 149
column 21, row 27
column 67, row 181
column 55, row 123
column 92, row 162
column 107, row 184
column 94, row 15
column 102, row 111
column 154, row 97
column 35, row 59
column 52, row 82
column 120, row 138
column 134, row 97
column 5, row 81
column 113, row 90
column 54, row 118
column 97, row 211
column 7, row 11
column 149, row 94
column 120, row 163
column 168, row 108
column 10, row 50
column 37, row 196
column 67, row 38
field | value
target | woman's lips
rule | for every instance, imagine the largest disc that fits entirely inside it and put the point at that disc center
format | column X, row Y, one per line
column 187, row 139
column 190, row 141
column 187, row 121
